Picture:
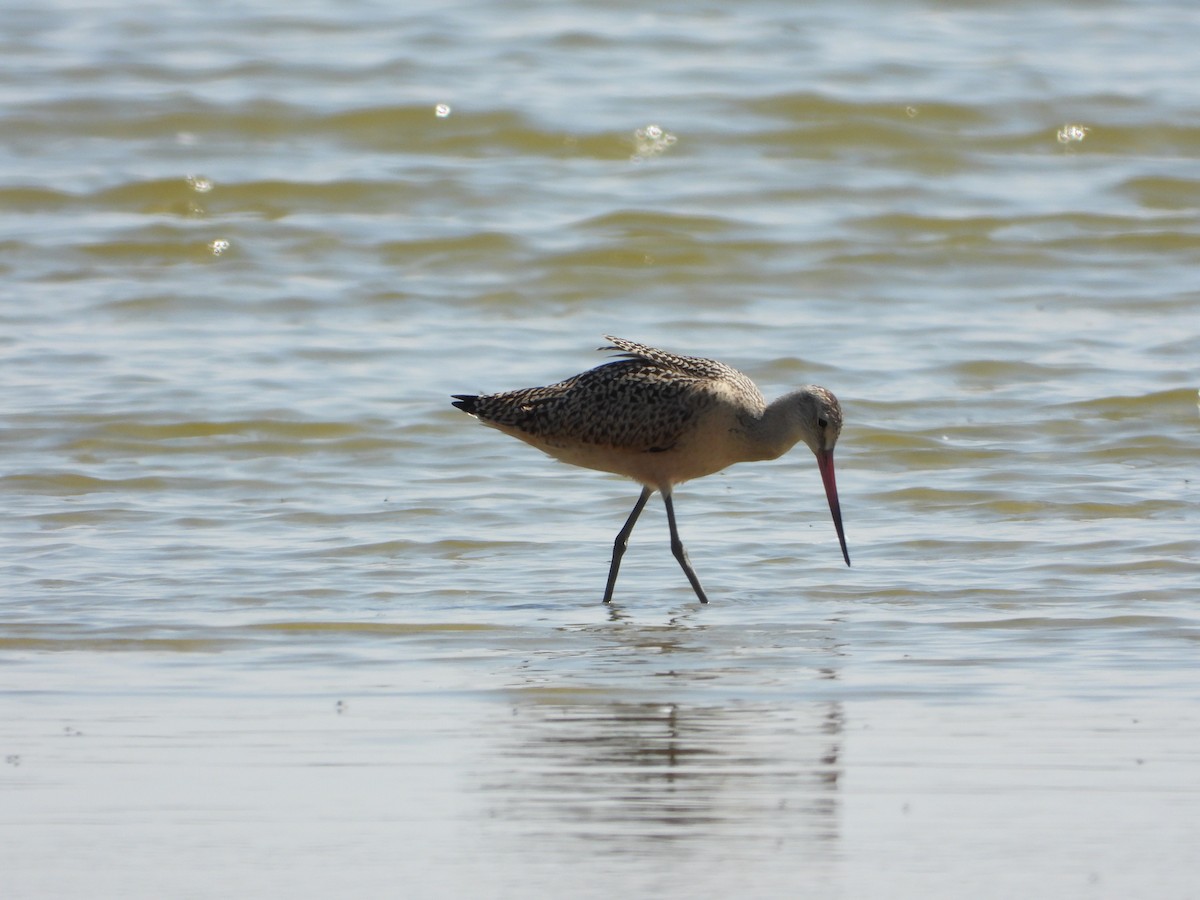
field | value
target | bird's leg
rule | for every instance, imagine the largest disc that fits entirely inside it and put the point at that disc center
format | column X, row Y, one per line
column 622, row 542
column 677, row 549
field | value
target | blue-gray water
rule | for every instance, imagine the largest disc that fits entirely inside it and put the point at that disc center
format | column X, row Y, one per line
column 277, row 621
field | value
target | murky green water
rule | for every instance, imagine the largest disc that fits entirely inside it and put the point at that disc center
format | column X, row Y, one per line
column 276, row 620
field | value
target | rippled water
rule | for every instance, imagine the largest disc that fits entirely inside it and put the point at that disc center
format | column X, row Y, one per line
column 276, row 619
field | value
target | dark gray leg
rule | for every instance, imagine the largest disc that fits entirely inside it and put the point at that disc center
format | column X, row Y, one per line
column 622, row 542
column 677, row 549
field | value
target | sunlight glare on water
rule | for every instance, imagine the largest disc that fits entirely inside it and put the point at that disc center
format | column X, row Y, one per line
column 1072, row 134
column 651, row 141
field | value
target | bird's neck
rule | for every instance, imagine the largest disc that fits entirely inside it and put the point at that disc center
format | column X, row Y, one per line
column 774, row 431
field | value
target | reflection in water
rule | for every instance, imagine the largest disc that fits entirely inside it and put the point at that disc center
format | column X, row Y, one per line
column 633, row 750
column 689, row 756
column 669, row 772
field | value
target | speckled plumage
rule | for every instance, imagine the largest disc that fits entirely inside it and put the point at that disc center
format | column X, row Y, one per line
column 644, row 402
column 663, row 419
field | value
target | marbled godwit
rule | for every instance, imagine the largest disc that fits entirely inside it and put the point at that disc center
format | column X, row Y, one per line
column 663, row 419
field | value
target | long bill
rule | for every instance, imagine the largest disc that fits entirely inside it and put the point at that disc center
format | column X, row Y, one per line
column 825, row 464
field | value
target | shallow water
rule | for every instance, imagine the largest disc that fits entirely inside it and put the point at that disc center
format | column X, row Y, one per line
column 276, row 619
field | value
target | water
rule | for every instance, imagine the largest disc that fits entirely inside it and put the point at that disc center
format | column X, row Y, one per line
column 275, row 619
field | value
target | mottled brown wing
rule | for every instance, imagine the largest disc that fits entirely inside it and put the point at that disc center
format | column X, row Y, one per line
column 698, row 366
column 630, row 404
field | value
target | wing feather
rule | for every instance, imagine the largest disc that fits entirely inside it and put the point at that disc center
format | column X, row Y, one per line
column 628, row 404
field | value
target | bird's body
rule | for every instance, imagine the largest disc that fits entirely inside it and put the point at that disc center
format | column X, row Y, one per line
column 662, row 419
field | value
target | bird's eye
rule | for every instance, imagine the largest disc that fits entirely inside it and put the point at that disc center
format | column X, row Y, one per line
column 822, row 423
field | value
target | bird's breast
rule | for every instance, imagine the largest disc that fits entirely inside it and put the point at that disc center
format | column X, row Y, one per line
column 708, row 445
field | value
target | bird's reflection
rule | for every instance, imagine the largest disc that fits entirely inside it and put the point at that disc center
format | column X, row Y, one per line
column 660, row 764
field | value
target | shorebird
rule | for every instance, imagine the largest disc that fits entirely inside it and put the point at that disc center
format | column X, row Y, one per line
column 662, row 419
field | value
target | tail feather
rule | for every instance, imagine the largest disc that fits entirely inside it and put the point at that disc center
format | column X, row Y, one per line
column 466, row 402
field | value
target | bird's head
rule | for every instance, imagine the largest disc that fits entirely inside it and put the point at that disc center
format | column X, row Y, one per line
column 820, row 419
column 817, row 417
